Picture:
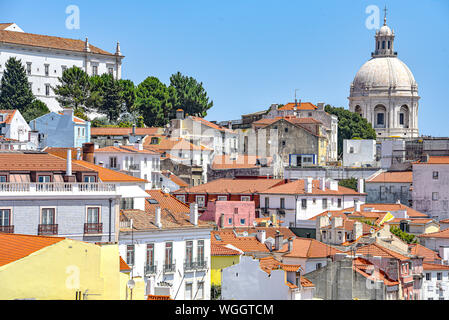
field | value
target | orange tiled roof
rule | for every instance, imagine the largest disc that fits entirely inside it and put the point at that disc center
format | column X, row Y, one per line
column 269, row 264
column 221, row 250
column 158, row 297
column 309, row 248
column 166, row 144
column 428, row 254
column 232, row 186
column 380, row 209
column 165, row 201
column 444, row 234
column 10, row 115
column 36, row 162
column 62, row 152
column 42, row 41
column 444, row 221
column 210, row 124
column 108, row 175
column 297, row 187
column 5, row 25
column 361, row 266
column 348, row 225
column 17, row 246
column 124, row 266
column 375, row 249
column 300, row 106
column 118, row 131
column 75, row 119
column 270, row 232
column 435, row 160
column 123, row 149
column 181, row 183
column 246, row 244
column 434, row 266
column 242, row 161
column 393, row 177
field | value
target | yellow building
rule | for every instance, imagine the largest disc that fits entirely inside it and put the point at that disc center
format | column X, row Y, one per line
column 222, row 257
column 38, row 267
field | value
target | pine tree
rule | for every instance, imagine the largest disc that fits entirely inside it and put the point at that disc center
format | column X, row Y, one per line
column 15, row 91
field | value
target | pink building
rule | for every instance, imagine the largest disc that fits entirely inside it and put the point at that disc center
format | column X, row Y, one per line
column 229, row 214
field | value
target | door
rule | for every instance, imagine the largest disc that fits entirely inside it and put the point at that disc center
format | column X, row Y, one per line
column 189, row 291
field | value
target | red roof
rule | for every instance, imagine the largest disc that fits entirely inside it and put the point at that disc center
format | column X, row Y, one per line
column 435, row 160
column 221, row 250
column 444, row 234
column 375, row 249
column 297, row 187
column 119, row 131
column 299, row 106
column 124, row 266
column 10, row 115
column 393, row 177
column 158, row 297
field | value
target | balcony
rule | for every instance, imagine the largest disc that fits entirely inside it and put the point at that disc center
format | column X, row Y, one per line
column 29, row 188
column 7, row 229
column 93, row 228
column 201, row 264
column 189, row 265
column 134, row 167
column 195, row 265
column 150, row 269
column 169, row 268
column 47, row 229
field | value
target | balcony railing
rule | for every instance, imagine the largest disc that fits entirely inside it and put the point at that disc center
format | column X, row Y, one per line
column 47, row 229
column 195, row 265
column 189, row 265
column 41, row 187
column 7, row 229
column 134, row 167
column 201, row 264
column 171, row 267
column 150, row 269
column 93, row 228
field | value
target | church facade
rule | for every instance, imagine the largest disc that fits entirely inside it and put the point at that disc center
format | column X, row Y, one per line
column 384, row 91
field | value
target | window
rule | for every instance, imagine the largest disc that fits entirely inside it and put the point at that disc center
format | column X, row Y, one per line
column 267, row 202
column 283, row 143
column 200, row 251
column 242, row 221
column 47, row 89
column 126, row 203
column 439, row 276
column 304, row 203
column 150, row 254
column 94, row 70
column 130, row 254
column 383, row 44
column 200, row 291
column 435, row 175
column 29, row 68
column 236, row 210
column 282, row 203
column 229, row 220
column 324, row 203
column 351, row 149
column 339, row 236
column 200, row 200
column 380, row 118
column 3, row 179
column 189, row 252
column 189, row 291
column 222, row 198
column 286, row 129
column 168, row 253
column 181, row 198
column 401, row 118
column 318, row 266
column 48, row 216
column 93, row 215
column 89, row 178
column 110, row 70
column 434, row 196
column 46, row 68
column 43, row 179
column 113, row 162
column 245, row 198
column 339, row 203
column 388, row 44
column 5, row 217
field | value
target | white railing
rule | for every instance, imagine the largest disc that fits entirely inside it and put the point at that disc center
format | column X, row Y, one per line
column 125, row 224
column 56, row 187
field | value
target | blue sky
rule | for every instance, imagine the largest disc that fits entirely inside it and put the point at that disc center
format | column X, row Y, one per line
column 252, row 53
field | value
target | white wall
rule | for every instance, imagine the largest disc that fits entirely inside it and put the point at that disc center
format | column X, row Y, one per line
column 358, row 153
column 430, row 288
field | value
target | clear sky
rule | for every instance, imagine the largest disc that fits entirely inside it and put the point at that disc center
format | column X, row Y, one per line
column 252, row 53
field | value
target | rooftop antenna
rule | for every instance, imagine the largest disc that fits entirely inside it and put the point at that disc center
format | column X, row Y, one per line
column 296, row 101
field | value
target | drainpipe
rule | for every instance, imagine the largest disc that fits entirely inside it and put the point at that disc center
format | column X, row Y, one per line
column 110, row 214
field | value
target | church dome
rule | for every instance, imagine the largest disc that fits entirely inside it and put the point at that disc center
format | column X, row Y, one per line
column 384, row 72
column 385, row 31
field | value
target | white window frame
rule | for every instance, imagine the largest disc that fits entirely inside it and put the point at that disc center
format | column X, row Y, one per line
column 245, row 198
column 87, row 213
column 203, row 201
column 48, row 207
column 11, row 223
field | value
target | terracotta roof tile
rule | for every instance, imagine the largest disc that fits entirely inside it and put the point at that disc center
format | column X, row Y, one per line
column 123, row 149
column 10, row 115
column 221, row 250
column 393, row 177
column 232, row 186
column 300, row 106
column 297, row 187
column 119, row 131
column 434, row 266
column 309, row 248
column 379, row 210
column 158, row 297
column 444, row 234
column 108, row 175
column 168, row 144
column 245, row 243
column 210, row 124
column 17, row 246
column 241, row 162
column 175, row 179
column 367, row 269
column 435, row 160
column 375, row 249
column 124, row 266
column 428, row 254
column 165, row 201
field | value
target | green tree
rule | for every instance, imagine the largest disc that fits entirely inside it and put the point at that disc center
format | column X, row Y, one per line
column 155, row 101
column 74, row 90
column 15, row 91
column 350, row 126
column 404, row 236
column 128, row 94
column 35, row 110
column 192, row 97
column 108, row 96
column 348, row 183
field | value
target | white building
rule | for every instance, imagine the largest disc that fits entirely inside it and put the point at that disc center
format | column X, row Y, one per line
column 435, row 282
column 265, row 279
column 359, row 153
column 390, row 187
column 305, row 198
column 431, row 186
column 132, row 159
column 167, row 249
column 46, row 57
column 15, row 132
column 385, row 92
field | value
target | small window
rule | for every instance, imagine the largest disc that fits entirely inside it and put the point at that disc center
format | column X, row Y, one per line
column 181, row 198
column 94, row 70
column 282, row 203
column 89, row 179
column 200, row 200
column 63, row 68
column 339, row 203
column 222, row 198
column 324, row 203
column 439, row 276
column 47, row 89
column 304, row 203
column 111, row 71
column 229, row 220
column 3, row 179
column 401, row 118
column 286, row 129
column 245, row 198
column 434, row 196
column 29, row 68
column 46, row 68
column 380, row 118
column 242, row 221
column 130, row 254
column 318, row 266
column 435, row 175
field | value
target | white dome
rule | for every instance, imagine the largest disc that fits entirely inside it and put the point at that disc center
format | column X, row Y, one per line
column 385, row 31
column 384, row 72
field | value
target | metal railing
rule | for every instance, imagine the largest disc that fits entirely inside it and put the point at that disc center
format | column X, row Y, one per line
column 93, row 228
column 56, row 187
column 7, row 229
column 190, row 265
column 169, row 267
column 47, row 229
column 150, row 269
column 134, row 166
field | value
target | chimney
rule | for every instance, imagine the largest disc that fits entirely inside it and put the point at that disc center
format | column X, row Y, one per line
column 360, row 185
column 320, row 106
column 337, row 222
column 357, row 230
column 322, row 183
column 261, row 236
column 278, row 240
column 321, row 222
column 88, row 152
column 222, row 220
column 357, row 206
column 194, row 213
column 117, row 49
column 68, row 112
column 290, row 244
column 134, row 129
column 180, row 114
column 68, row 171
column 86, row 46
column 157, row 217
column 308, row 185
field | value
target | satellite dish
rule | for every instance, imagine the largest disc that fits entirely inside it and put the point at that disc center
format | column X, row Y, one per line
column 131, row 284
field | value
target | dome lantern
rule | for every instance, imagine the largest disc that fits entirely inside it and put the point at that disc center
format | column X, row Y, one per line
column 384, row 41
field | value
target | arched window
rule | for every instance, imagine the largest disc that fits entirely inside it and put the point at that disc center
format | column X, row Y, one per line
column 388, row 44
column 380, row 113
column 403, row 117
column 383, row 44
column 378, row 45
